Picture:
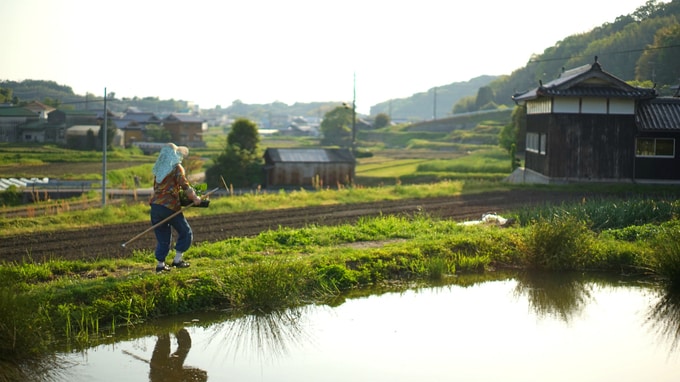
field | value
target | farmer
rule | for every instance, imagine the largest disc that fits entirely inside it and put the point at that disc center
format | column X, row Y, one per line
column 169, row 178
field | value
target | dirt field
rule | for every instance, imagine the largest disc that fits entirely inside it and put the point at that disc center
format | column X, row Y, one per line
column 107, row 241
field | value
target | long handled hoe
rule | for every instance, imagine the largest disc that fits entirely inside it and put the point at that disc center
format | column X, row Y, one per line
column 164, row 220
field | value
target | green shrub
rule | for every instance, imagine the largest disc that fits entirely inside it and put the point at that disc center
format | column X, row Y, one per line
column 10, row 197
column 665, row 260
column 560, row 243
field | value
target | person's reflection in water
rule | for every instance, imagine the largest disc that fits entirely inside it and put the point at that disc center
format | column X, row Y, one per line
column 166, row 366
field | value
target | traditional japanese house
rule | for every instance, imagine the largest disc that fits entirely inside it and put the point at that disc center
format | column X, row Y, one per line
column 588, row 125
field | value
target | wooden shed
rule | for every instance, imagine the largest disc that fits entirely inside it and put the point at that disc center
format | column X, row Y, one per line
column 588, row 125
column 306, row 167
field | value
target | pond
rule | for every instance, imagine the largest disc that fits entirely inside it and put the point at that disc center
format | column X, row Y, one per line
column 540, row 327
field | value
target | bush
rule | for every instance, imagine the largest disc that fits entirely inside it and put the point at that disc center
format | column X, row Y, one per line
column 665, row 260
column 560, row 243
column 11, row 196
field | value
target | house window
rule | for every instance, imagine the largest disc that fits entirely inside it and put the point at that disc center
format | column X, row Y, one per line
column 655, row 147
column 536, row 143
column 532, row 142
column 542, row 139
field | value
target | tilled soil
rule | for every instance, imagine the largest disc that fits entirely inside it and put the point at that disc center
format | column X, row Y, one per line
column 106, row 242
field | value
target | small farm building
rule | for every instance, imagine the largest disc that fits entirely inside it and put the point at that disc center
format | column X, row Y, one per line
column 305, row 167
column 588, row 125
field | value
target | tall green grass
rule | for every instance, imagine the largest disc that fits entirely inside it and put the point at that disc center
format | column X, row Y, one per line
column 610, row 213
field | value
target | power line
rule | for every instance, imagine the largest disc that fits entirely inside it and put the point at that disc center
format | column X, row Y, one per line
column 533, row 61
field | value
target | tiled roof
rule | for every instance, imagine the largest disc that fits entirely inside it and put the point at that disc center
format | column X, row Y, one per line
column 586, row 81
column 183, row 117
column 597, row 91
column 659, row 114
column 310, row 155
column 141, row 117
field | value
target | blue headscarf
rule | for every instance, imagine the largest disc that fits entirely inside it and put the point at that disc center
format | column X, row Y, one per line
column 170, row 156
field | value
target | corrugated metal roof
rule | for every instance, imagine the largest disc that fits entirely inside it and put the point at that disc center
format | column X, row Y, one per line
column 302, row 155
column 82, row 129
column 659, row 114
column 16, row 112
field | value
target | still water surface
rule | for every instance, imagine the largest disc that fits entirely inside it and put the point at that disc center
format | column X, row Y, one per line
column 525, row 328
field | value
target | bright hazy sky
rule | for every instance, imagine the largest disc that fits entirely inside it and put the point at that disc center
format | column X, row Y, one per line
column 212, row 52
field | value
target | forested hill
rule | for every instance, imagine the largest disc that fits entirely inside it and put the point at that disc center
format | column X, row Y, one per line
column 643, row 46
column 422, row 106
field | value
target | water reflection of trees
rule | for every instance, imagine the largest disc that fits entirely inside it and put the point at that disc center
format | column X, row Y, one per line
column 664, row 317
column 269, row 335
column 559, row 295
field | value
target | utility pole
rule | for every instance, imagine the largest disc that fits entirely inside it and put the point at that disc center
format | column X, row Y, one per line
column 104, row 134
column 354, row 114
column 434, row 111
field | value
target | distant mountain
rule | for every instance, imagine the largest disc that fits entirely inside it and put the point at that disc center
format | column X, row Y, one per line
column 421, row 106
column 643, row 47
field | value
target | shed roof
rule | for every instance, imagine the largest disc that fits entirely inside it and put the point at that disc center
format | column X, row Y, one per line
column 304, row 155
column 16, row 112
column 586, row 81
column 82, row 129
column 659, row 114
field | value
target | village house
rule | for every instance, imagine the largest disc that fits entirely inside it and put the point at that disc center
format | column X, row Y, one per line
column 133, row 124
column 11, row 118
column 185, row 129
column 308, row 167
column 590, row 126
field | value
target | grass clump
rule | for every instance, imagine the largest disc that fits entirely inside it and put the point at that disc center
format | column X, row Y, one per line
column 560, row 243
column 666, row 259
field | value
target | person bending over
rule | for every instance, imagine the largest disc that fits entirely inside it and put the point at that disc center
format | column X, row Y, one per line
column 169, row 179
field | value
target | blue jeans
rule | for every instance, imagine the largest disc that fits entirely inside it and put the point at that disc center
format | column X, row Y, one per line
column 164, row 232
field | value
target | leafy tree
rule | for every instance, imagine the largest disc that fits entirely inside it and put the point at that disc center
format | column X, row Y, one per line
column 244, row 135
column 90, row 141
column 336, row 127
column 156, row 133
column 52, row 102
column 240, row 164
column 484, row 97
column 651, row 63
column 110, row 134
column 381, row 120
column 11, row 196
column 509, row 137
column 464, row 105
column 5, row 95
column 648, row 10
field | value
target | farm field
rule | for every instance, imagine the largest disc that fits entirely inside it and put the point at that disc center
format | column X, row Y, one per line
column 106, row 241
